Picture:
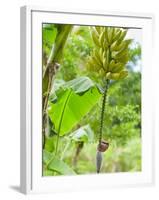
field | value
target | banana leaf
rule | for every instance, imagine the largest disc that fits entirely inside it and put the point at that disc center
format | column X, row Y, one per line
column 71, row 102
column 49, row 35
column 52, row 163
column 83, row 134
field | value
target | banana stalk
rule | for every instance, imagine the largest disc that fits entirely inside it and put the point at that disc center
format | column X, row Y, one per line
column 102, row 145
column 109, row 59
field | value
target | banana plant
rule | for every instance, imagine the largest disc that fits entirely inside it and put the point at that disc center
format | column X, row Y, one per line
column 58, row 36
column 54, row 164
column 69, row 103
column 108, row 59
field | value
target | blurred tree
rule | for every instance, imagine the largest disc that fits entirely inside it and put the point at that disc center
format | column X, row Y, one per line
column 78, row 47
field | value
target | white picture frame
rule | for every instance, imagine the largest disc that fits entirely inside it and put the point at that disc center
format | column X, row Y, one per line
column 31, row 101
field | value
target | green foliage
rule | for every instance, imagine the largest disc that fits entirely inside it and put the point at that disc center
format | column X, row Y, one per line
column 124, row 106
column 119, row 159
column 52, row 163
column 122, row 123
column 49, row 34
column 77, row 49
column 75, row 107
column 130, row 88
column 50, row 143
column 80, row 92
column 60, row 34
column 83, row 134
column 135, row 53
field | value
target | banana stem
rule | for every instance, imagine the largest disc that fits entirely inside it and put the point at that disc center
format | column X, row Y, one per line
column 48, row 75
column 103, row 110
column 46, row 98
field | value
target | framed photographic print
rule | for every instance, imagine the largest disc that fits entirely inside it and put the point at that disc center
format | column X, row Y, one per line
column 86, row 100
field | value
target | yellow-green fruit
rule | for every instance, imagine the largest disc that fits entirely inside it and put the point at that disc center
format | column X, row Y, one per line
column 95, row 37
column 92, row 65
column 117, row 47
column 123, row 74
column 105, row 44
column 113, row 46
column 122, row 36
column 101, row 38
column 118, row 67
column 110, row 55
column 111, row 35
column 111, row 65
column 117, row 35
column 123, row 59
column 101, row 72
column 98, row 28
column 101, row 53
column 115, row 76
column 106, row 34
column 97, row 57
column 121, row 53
column 97, row 66
column 108, row 75
column 105, row 64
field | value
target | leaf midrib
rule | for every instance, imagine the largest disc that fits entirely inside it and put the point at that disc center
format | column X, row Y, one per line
column 61, row 119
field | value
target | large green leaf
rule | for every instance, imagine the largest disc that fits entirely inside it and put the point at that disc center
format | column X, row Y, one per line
column 52, row 163
column 49, row 34
column 83, row 134
column 72, row 101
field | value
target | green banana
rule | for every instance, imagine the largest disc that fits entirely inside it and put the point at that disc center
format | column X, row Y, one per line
column 117, row 67
column 122, row 36
column 96, row 65
column 111, row 35
column 105, row 44
column 115, row 76
column 101, row 72
column 117, row 47
column 95, row 37
column 101, row 39
column 90, row 65
column 105, row 64
column 122, row 45
column 93, row 65
column 117, row 35
column 108, row 75
column 111, row 65
column 106, row 34
column 113, row 46
column 123, row 74
column 121, row 53
column 98, row 28
column 111, row 53
column 101, row 53
column 123, row 59
column 97, row 57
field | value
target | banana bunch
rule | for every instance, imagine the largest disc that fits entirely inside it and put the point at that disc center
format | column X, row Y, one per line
column 110, row 55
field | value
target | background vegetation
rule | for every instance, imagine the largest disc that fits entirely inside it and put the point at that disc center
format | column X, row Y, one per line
column 77, row 143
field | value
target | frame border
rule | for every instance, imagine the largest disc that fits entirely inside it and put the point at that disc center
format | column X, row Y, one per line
column 26, row 84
